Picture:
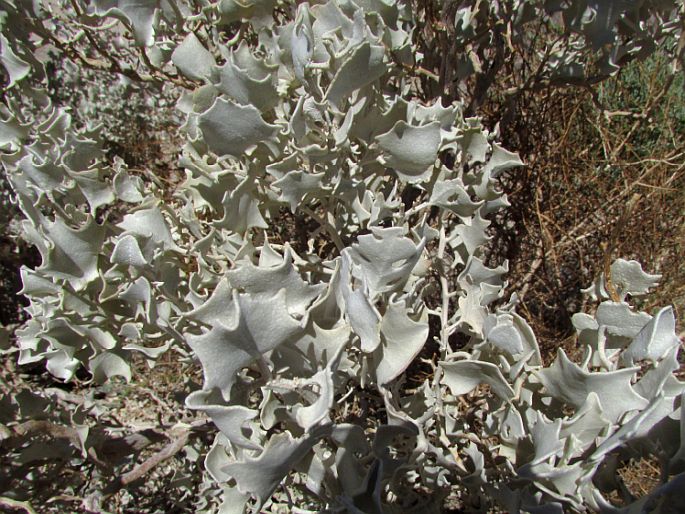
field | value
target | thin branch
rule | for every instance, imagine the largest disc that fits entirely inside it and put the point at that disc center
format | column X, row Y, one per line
column 16, row 504
column 335, row 237
column 167, row 452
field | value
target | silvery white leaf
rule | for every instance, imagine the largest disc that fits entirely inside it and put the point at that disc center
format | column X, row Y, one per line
column 301, row 42
column 313, row 351
column 511, row 429
column 473, row 142
column 587, row 423
column 60, row 364
column 464, row 376
column 402, row 340
column 241, row 208
column 232, row 129
column 500, row 160
column 655, row 339
column 297, row 184
column 260, row 476
column 369, row 121
column 253, row 10
column 385, row 258
column 127, row 252
column 267, row 280
column 261, row 325
column 35, row 285
column 234, row 502
column 512, row 334
column 360, row 68
column 45, row 176
column 16, row 67
column 472, row 233
column 236, row 83
column 139, row 296
column 230, row 419
column 451, row 195
column 93, row 187
column 411, row 151
column 387, row 9
column 364, row 318
column 546, row 438
column 12, row 132
column 564, row 478
column 620, row 320
column 127, row 188
column 566, row 381
column 73, row 254
column 150, row 224
column 219, row 308
column 628, row 278
column 107, row 365
column 660, row 378
column 139, row 13
column 628, row 430
column 217, row 457
column 329, row 18
column 480, row 285
column 192, row 59
column 318, row 412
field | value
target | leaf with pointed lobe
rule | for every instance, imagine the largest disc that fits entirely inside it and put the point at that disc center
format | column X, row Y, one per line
column 192, row 59
column 140, row 14
column 232, row 129
column 266, row 281
column 127, row 252
column 410, row 151
column 241, row 208
column 229, row 419
column 150, row 224
column 260, row 476
column 385, row 258
column 566, row 381
column 464, row 376
column 363, row 66
column 261, row 325
column 297, row 185
column 403, row 335
column 236, row 83
column 73, row 254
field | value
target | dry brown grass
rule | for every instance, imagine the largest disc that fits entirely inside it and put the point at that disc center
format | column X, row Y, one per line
column 595, row 187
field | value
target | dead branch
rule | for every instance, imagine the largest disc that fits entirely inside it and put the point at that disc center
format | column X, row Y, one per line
column 16, row 504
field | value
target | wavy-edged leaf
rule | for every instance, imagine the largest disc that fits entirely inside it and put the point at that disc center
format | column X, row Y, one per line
column 262, row 324
column 384, row 258
column 268, row 280
column 655, row 340
column 464, row 376
column 232, row 129
column 362, row 67
column 403, row 336
column 260, row 476
column 73, row 254
column 411, row 151
column 566, row 381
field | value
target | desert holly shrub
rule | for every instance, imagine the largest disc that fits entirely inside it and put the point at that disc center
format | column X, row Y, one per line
column 330, row 229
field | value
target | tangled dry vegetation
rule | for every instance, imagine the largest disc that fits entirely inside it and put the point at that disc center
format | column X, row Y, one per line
column 599, row 182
